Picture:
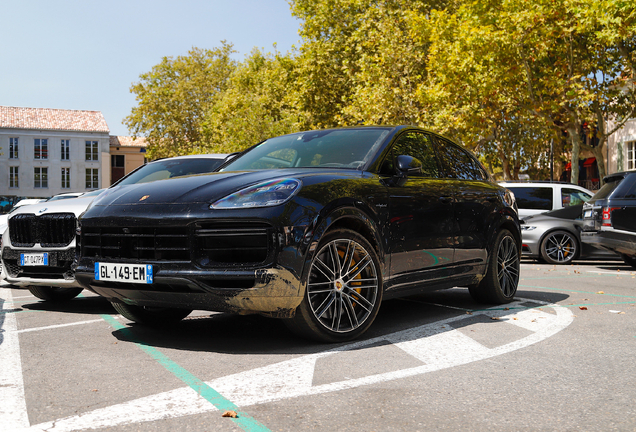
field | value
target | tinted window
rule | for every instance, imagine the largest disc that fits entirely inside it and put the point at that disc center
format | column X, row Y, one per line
column 573, row 197
column 417, row 145
column 533, row 198
column 458, row 163
column 607, row 189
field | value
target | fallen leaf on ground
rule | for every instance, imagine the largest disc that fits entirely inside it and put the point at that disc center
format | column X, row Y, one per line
column 600, row 292
column 232, row 414
column 495, row 318
column 583, row 307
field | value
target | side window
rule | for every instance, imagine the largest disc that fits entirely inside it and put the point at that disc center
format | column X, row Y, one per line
column 458, row 163
column 572, row 197
column 533, row 198
column 417, row 145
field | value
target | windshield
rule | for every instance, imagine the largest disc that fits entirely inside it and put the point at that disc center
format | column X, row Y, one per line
column 342, row 148
column 170, row 168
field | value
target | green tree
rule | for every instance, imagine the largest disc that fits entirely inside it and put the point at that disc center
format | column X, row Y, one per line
column 257, row 104
column 173, row 98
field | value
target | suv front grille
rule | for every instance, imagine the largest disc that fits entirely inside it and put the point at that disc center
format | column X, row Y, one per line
column 49, row 230
column 138, row 243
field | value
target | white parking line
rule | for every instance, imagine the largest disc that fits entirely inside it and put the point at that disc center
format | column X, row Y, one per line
column 437, row 346
column 13, row 411
column 57, row 326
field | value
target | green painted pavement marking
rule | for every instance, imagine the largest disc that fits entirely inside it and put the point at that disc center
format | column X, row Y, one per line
column 246, row 422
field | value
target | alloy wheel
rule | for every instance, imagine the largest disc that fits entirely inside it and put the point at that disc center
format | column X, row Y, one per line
column 560, row 247
column 343, row 286
column 508, row 266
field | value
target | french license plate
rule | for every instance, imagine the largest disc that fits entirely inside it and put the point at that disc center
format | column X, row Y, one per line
column 34, row 259
column 587, row 214
column 130, row 273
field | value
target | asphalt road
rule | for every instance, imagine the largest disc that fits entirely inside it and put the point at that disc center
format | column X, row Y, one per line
column 561, row 357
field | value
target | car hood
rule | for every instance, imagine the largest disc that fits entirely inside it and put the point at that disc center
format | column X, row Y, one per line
column 69, row 205
column 206, row 188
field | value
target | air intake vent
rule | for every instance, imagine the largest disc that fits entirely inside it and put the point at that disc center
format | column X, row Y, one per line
column 233, row 243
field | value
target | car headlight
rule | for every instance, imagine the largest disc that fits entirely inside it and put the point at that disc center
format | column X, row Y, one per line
column 266, row 194
column 528, row 227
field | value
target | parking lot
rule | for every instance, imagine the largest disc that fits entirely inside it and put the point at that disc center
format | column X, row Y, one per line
column 561, row 357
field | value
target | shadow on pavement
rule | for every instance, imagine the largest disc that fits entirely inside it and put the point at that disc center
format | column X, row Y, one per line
column 253, row 334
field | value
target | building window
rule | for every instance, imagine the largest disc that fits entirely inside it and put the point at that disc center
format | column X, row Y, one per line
column 41, row 148
column 13, row 148
column 40, row 177
column 92, row 150
column 631, row 155
column 92, row 178
column 65, row 151
column 13, row 177
column 66, row 178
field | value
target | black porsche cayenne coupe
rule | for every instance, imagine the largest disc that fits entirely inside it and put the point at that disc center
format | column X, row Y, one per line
column 314, row 227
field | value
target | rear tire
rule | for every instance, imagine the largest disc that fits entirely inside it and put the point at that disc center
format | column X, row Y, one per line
column 151, row 316
column 629, row 260
column 499, row 286
column 343, row 289
column 54, row 294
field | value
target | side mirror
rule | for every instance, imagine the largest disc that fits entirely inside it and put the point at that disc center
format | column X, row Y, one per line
column 408, row 166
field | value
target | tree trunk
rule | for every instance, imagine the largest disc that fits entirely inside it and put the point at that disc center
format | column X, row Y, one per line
column 600, row 159
column 505, row 163
column 575, row 140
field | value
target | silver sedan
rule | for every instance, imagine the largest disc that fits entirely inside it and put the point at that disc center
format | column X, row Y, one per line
column 554, row 237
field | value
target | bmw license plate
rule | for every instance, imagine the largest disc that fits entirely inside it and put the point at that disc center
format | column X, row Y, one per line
column 130, row 273
column 587, row 214
column 34, row 259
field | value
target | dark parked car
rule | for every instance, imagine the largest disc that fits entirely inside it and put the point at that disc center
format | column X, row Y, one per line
column 610, row 216
column 314, row 227
column 555, row 237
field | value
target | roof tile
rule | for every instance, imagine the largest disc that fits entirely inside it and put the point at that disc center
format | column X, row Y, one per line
column 52, row 119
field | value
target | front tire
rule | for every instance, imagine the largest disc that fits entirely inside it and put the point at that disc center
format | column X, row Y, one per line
column 152, row 316
column 559, row 247
column 629, row 260
column 343, row 289
column 54, row 294
column 499, row 286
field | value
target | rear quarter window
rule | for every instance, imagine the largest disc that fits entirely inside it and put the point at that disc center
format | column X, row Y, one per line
column 533, row 198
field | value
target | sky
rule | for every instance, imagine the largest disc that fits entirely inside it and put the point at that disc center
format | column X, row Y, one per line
column 86, row 54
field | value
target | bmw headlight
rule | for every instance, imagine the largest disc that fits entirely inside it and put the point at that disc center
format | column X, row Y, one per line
column 266, row 194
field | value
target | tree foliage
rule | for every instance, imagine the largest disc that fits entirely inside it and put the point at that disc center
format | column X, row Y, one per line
column 174, row 97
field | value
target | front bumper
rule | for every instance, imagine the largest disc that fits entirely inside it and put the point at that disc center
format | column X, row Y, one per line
column 58, row 273
column 232, row 263
column 622, row 242
column 273, row 292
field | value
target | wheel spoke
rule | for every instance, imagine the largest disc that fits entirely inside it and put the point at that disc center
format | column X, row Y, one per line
column 335, row 259
column 363, row 302
column 322, row 267
column 361, row 265
column 351, row 313
column 329, row 300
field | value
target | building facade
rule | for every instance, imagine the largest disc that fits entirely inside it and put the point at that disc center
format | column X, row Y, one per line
column 126, row 154
column 44, row 152
column 621, row 153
